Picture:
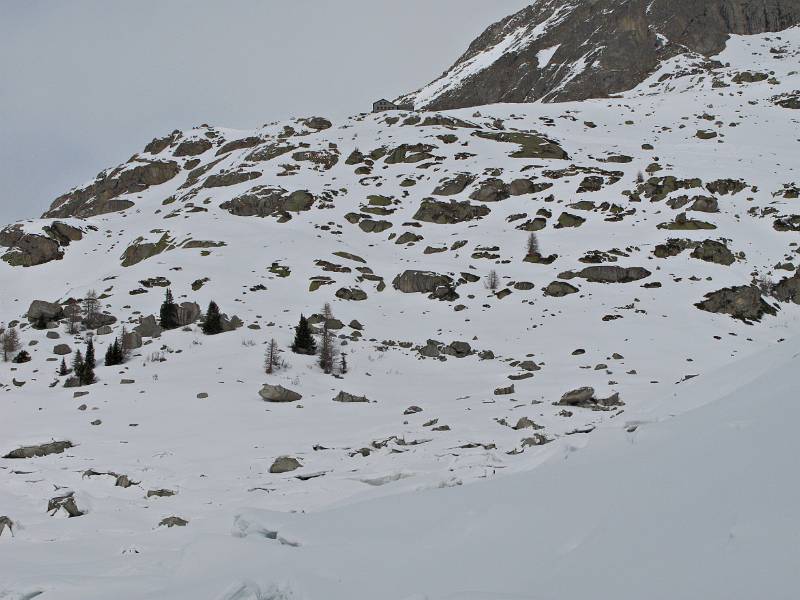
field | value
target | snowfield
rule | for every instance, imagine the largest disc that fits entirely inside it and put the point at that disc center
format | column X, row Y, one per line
column 684, row 489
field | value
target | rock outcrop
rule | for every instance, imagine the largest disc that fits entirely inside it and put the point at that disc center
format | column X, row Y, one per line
column 564, row 50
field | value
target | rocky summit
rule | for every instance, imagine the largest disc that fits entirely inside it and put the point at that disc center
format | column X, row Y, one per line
column 564, row 50
column 310, row 337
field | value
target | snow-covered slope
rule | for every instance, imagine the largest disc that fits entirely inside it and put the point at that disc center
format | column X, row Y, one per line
column 184, row 413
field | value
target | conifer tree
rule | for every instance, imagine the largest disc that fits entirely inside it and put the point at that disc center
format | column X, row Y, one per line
column 271, row 360
column 87, row 372
column 343, row 364
column 169, row 312
column 212, row 324
column 77, row 365
column 113, row 354
column 327, row 349
column 303, row 340
column 63, row 370
column 9, row 340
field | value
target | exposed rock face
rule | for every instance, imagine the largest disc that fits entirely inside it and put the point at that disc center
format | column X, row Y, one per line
column 188, row 313
column 28, row 249
column 100, row 197
column 788, row 289
column 560, row 50
column 715, row 252
column 265, row 201
column 140, row 250
column 455, row 185
column 148, row 327
column 278, row 393
column 743, row 302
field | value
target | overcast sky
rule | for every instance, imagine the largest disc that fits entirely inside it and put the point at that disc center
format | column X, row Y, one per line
column 86, row 84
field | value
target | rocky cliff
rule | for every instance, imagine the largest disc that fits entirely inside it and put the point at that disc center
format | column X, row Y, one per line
column 561, row 50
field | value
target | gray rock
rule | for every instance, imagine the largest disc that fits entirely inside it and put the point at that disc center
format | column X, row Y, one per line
column 504, row 391
column 66, row 503
column 458, row 349
column 62, row 349
column 449, row 213
column 559, row 289
column 53, row 335
column 6, row 523
column 613, row 274
column 345, row 397
column 148, row 327
column 744, row 303
column 173, row 522
column 278, row 393
column 188, row 313
column 284, row 464
column 132, row 340
column 426, row 282
column 40, row 450
column 585, row 398
column 104, row 330
column 51, row 311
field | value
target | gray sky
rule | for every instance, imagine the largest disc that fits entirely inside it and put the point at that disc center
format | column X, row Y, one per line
column 84, row 84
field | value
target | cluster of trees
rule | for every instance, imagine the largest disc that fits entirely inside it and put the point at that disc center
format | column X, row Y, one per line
column 117, row 353
column 331, row 361
column 82, row 366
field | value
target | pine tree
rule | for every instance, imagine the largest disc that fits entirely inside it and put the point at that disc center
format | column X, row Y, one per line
column 9, row 342
column 212, row 324
column 271, row 360
column 114, row 355
column 303, row 340
column 123, row 348
column 169, row 312
column 343, row 365
column 77, row 365
column 91, row 305
column 533, row 245
column 63, row 370
column 86, row 376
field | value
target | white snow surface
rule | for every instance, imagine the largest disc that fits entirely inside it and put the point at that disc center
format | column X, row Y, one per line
column 689, row 491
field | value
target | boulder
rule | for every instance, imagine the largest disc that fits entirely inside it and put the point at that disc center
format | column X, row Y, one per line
column 345, row 397
column 148, row 327
column 188, row 313
column 559, row 289
column 51, row 311
column 425, row 282
column 455, row 185
column 613, row 274
column 458, row 349
column 444, row 213
column 65, row 503
column 98, row 320
column 104, row 330
column 354, row 293
column 743, row 302
column 39, row 450
column 173, row 522
column 714, row 252
column 284, row 464
column 278, row 393
column 585, row 398
column 491, row 190
column 62, row 349
column 131, row 340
